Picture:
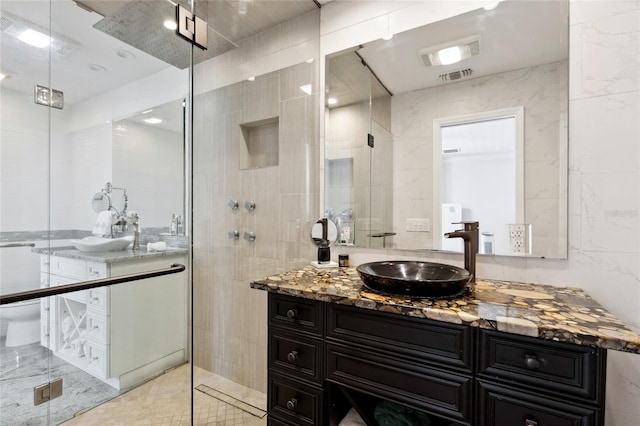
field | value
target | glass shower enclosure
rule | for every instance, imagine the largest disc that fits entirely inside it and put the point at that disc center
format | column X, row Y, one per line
column 93, row 142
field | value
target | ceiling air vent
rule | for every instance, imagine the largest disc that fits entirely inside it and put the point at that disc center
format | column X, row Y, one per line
column 456, row 75
column 5, row 23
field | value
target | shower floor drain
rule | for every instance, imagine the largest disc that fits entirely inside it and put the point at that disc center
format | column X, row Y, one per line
column 234, row 402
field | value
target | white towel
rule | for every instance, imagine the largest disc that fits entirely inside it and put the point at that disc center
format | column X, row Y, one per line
column 352, row 419
column 103, row 224
column 159, row 246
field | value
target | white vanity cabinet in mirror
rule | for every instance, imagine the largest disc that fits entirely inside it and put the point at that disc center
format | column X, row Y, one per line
column 502, row 71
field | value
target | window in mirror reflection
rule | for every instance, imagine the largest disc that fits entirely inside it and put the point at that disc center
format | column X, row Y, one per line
column 480, row 162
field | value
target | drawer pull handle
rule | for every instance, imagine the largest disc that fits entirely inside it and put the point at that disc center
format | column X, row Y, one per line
column 292, row 356
column 532, row 363
column 292, row 404
column 528, row 422
column 292, row 313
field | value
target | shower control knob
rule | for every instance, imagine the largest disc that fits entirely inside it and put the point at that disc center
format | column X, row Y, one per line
column 233, row 204
column 234, row 235
column 250, row 236
column 250, row 205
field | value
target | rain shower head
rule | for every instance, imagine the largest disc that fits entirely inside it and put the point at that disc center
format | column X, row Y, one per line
column 140, row 24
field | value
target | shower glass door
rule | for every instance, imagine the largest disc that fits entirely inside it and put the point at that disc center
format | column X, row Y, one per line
column 94, row 111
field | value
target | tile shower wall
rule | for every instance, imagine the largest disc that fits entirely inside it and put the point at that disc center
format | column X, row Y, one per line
column 540, row 90
column 230, row 319
column 604, row 161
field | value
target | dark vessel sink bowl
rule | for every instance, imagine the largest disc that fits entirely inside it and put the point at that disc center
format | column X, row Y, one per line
column 413, row 278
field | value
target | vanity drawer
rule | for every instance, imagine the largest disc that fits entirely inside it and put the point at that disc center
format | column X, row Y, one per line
column 541, row 365
column 97, row 358
column 47, row 280
column 432, row 390
column 498, row 406
column 98, row 300
column 97, row 327
column 295, row 313
column 399, row 335
column 295, row 354
column 294, row 402
column 96, row 270
column 71, row 268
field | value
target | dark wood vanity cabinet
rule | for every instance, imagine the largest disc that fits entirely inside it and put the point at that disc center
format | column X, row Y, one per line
column 324, row 357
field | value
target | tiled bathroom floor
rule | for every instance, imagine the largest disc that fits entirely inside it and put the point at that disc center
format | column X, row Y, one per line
column 165, row 401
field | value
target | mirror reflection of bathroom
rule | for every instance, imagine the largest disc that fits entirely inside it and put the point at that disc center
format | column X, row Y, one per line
column 148, row 159
column 472, row 154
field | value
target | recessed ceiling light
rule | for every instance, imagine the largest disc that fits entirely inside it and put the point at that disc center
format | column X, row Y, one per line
column 97, row 68
column 125, row 54
column 387, row 37
column 306, row 89
column 35, row 38
column 332, row 101
column 251, row 78
column 153, row 120
column 170, row 25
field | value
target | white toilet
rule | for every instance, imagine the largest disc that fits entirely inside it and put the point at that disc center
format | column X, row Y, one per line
column 23, row 319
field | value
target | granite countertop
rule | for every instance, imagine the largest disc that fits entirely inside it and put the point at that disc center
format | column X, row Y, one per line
column 109, row 256
column 557, row 313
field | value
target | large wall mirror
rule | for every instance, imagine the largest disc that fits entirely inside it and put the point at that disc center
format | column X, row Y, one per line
column 464, row 119
column 148, row 160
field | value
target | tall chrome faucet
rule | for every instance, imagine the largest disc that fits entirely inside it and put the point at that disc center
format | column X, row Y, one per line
column 470, row 236
column 134, row 218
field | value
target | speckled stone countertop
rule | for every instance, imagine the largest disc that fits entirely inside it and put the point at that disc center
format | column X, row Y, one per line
column 558, row 313
column 109, row 256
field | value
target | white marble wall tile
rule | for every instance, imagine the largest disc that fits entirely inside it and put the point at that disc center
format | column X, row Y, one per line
column 584, row 11
column 539, row 183
column 623, row 376
column 610, row 212
column 610, row 54
column 608, row 143
column 409, row 149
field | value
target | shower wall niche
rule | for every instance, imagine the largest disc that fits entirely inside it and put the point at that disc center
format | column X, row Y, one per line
column 260, row 147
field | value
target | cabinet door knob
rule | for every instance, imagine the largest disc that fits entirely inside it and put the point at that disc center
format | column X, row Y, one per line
column 292, row 356
column 529, row 422
column 532, row 362
column 292, row 404
column 292, row 313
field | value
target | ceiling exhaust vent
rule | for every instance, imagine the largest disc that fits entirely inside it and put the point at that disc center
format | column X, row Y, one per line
column 456, row 75
column 5, row 23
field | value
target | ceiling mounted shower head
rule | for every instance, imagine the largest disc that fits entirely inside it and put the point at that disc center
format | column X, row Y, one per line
column 141, row 25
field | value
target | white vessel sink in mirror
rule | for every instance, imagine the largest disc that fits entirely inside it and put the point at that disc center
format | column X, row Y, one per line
column 97, row 244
